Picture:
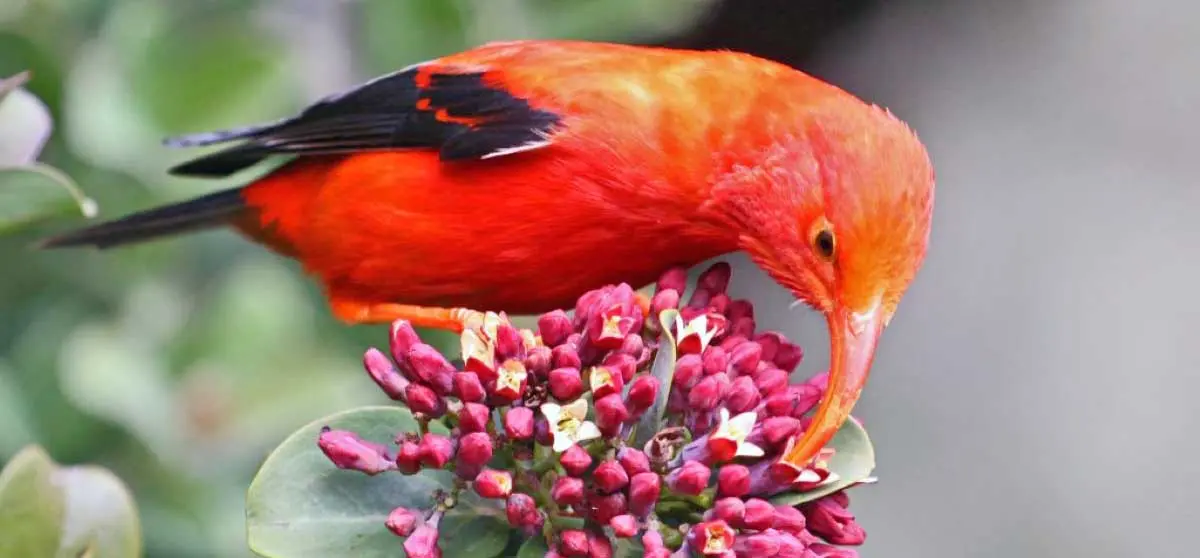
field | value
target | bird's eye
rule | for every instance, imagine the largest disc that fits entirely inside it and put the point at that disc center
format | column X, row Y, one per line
column 824, row 243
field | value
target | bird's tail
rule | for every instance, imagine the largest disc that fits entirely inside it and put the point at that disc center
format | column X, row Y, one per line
column 212, row 210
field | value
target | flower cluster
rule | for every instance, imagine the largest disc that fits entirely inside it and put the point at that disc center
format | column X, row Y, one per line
column 546, row 423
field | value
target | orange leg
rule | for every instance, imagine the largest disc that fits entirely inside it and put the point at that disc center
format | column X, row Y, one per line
column 452, row 319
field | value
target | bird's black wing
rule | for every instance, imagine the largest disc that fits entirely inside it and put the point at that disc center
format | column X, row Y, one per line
column 463, row 113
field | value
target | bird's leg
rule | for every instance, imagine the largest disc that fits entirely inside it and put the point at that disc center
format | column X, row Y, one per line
column 452, row 319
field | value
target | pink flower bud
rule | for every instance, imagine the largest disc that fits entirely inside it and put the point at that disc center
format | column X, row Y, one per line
column 674, row 279
column 554, row 327
column 542, row 435
column 829, row 519
column 520, row 509
column 715, row 360
column 729, row 510
column 644, row 490
column 467, row 387
column 711, row 538
column 731, row 342
column 402, row 521
column 473, row 417
column 432, row 368
column 567, row 491
column 633, row 460
column 776, row 430
column 745, row 358
column 733, row 480
column 610, row 414
column 718, row 303
column 347, row 451
column 609, row 476
column 706, row 395
column 760, row 514
column 408, row 457
column 606, row 507
column 715, row 279
column 688, row 370
column 821, row 550
column 436, row 451
column 537, row 361
column 603, row 381
column 792, row 547
column 653, row 545
column 575, row 460
column 789, row 520
column 384, row 373
column 771, row 381
column 766, row 543
column 573, row 542
column 566, row 384
column 475, row 448
column 493, row 484
column 508, row 342
column 624, row 526
column 663, row 300
column 743, row 395
column 788, row 356
column 633, row 345
column 622, row 364
column 423, row 400
column 598, row 545
column 691, row 478
column 467, row 471
column 424, row 542
column 740, row 308
column 742, row 327
column 769, row 341
column 401, row 338
column 518, row 423
column 565, row 356
column 643, row 392
column 699, row 298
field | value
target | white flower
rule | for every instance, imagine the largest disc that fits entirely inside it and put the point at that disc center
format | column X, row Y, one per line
column 694, row 336
column 567, row 424
column 735, row 430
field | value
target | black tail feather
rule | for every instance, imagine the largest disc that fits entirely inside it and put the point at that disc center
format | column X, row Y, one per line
column 199, row 213
column 222, row 163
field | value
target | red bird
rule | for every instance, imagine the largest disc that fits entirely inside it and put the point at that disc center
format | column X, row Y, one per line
column 516, row 176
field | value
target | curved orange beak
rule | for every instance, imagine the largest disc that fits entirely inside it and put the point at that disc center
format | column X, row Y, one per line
column 852, row 337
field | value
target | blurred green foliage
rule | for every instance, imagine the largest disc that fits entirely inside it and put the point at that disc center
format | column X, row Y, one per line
column 180, row 364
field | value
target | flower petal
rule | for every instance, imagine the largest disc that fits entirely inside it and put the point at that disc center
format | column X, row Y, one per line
column 577, row 408
column 747, row 449
column 587, row 431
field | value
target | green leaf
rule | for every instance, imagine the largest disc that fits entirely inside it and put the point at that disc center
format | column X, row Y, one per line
column 24, row 122
column 101, row 519
column 300, row 505
column 33, row 193
column 66, row 512
column 533, row 547
column 853, row 461
column 31, row 507
column 470, row 535
column 663, row 369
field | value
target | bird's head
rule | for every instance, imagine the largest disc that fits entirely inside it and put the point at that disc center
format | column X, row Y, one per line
column 839, row 213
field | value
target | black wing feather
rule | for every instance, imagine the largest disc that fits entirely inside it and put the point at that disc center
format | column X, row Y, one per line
column 391, row 112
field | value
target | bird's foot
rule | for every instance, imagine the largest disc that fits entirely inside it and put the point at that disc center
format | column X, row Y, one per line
column 451, row 319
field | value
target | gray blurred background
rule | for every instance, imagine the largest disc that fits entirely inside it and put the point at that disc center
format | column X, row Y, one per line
column 1033, row 397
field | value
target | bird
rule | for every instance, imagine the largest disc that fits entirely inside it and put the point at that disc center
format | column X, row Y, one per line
column 515, row 176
